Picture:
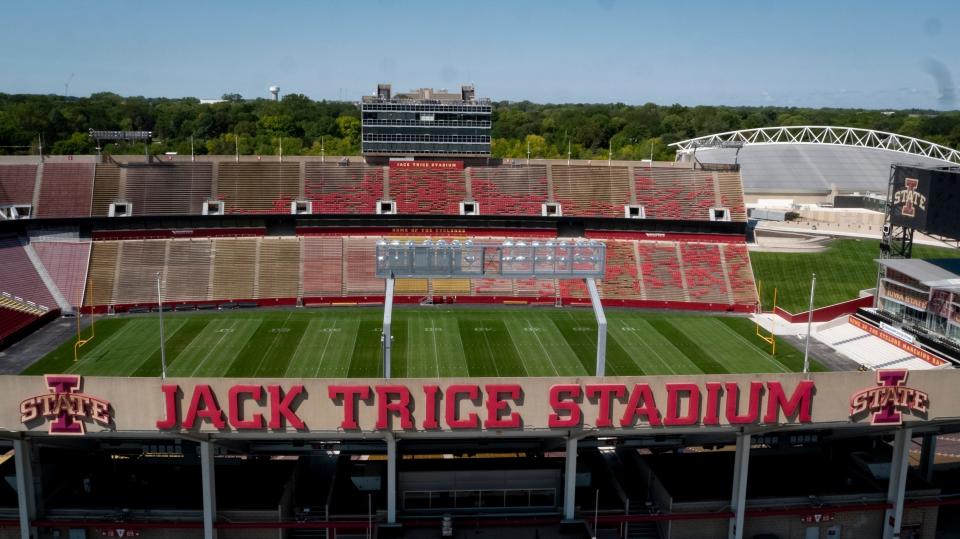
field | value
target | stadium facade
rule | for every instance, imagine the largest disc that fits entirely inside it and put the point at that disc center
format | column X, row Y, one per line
column 216, row 429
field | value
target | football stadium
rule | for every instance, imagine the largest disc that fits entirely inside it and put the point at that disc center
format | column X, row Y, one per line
column 424, row 340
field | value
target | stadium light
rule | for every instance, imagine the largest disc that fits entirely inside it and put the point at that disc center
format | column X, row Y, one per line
column 100, row 135
column 509, row 259
column 806, row 345
column 163, row 352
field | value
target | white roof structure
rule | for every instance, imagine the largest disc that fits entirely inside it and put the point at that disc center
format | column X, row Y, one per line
column 813, row 159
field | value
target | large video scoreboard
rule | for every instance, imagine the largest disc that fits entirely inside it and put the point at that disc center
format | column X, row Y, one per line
column 927, row 200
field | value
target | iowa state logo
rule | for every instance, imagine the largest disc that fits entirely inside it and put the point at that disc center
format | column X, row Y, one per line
column 910, row 198
column 887, row 402
column 65, row 406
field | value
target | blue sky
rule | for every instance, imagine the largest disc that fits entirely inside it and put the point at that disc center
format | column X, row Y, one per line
column 879, row 54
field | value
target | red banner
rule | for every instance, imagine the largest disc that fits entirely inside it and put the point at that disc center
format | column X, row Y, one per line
column 899, row 343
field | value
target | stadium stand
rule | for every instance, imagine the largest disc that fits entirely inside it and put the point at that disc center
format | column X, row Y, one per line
column 677, row 193
column 322, row 266
column 234, row 268
column 868, row 350
column 66, row 263
column 591, row 191
column 731, row 195
column 508, row 190
column 359, row 274
column 258, row 187
column 180, row 188
column 660, row 271
column 169, row 189
column 138, row 263
column 106, row 188
column 351, row 189
column 427, row 191
column 66, row 190
column 102, row 274
column 187, row 275
column 17, row 183
column 19, row 277
column 339, row 268
column 279, row 272
column 12, row 320
column 742, row 284
column 703, row 272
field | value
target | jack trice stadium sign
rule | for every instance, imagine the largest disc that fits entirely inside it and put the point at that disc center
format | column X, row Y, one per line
column 485, row 406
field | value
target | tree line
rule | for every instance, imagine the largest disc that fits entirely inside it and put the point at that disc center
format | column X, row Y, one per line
column 307, row 127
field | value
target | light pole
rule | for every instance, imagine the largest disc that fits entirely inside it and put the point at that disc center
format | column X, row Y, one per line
column 806, row 346
column 163, row 352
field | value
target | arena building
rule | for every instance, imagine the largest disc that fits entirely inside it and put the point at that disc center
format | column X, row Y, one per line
column 811, row 164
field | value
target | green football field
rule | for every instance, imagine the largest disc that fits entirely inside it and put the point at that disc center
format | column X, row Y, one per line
column 428, row 342
column 844, row 269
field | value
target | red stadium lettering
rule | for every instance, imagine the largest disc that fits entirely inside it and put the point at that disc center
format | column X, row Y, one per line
column 349, row 395
column 203, row 405
column 171, row 415
column 564, row 398
column 387, row 405
column 799, row 403
column 235, row 398
column 734, row 417
column 431, row 421
column 454, row 394
column 641, row 404
column 712, row 415
column 496, row 406
column 674, row 394
column 605, row 405
column 280, row 407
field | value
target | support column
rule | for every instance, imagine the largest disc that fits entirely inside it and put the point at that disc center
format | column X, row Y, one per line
column 928, row 453
column 391, row 478
column 208, row 480
column 601, row 326
column 386, row 336
column 899, row 466
column 26, row 499
column 570, row 479
column 738, row 500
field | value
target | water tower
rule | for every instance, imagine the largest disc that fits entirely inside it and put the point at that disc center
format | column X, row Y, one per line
column 275, row 91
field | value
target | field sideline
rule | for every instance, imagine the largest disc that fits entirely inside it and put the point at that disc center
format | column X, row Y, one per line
column 428, row 342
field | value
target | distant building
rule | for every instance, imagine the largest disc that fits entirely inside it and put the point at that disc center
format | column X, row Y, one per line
column 425, row 123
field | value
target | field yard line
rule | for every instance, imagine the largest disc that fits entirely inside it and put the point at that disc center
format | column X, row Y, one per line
column 539, row 342
column 323, row 353
column 166, row 338
column 644, row 343
column 436, row 353
column 272, row 343
column 753, row 347
column 110, row 339
column 459, row 343
column 214, row 347
column 493, row 357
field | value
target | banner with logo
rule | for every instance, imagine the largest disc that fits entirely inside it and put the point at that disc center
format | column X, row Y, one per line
column 911, row 190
